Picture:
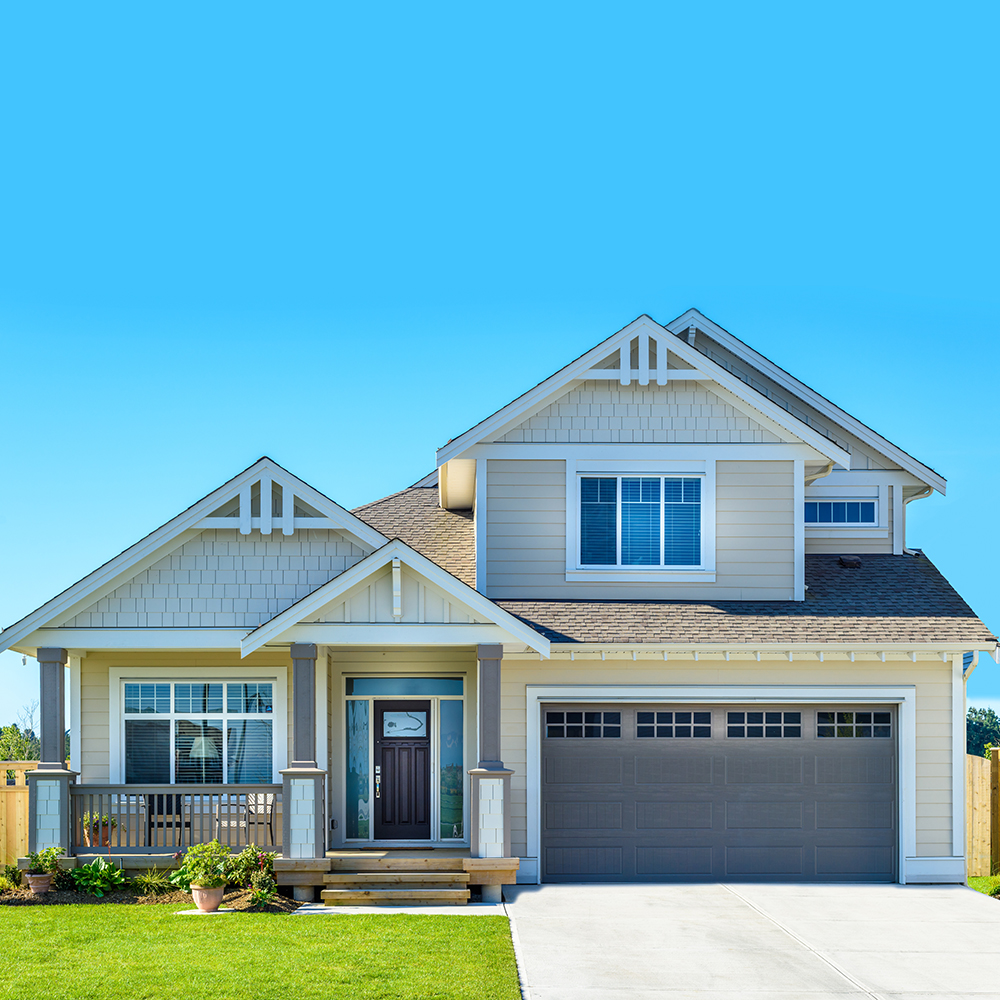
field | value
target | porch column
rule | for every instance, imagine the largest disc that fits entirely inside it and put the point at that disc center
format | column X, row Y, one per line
column 490, row 833
column 303, row 799
column 48, row 787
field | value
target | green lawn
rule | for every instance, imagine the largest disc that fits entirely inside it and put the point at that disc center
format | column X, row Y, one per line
column 985, row 883
column 148, row 952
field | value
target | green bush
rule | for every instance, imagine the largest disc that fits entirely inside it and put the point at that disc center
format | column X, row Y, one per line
column 240, row 868
column 6, row 885
column 154, row 882
column 263, row 889
column 44, row 862
column 12, row 874
column 98, row 877
column 204, row 865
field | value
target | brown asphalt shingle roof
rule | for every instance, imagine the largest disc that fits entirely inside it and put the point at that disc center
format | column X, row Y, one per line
column 890, row 599
column 446, row 537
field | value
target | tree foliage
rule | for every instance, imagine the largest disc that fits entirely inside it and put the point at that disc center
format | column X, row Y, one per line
column 982, row 727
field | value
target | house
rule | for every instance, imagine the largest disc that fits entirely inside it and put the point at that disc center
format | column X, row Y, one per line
column 655, row 619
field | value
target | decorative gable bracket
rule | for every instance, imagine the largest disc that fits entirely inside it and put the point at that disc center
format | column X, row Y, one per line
column 646, row 358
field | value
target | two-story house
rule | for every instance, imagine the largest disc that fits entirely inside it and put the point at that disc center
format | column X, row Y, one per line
column 655, row 619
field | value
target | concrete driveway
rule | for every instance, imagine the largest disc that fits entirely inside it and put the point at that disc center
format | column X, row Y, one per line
column 756, row 942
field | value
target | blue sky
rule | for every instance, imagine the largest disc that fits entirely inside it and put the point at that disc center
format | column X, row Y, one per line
column 341, row 234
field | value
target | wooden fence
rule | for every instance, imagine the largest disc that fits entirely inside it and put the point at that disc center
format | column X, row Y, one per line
column 982, row 814
column 14, row 810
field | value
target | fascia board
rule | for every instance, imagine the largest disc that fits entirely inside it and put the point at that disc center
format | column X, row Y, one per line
column 147, row 550
column 769, row 648
column 534, row 398
column 366, row 568
column 741, row 391
column 810, row 396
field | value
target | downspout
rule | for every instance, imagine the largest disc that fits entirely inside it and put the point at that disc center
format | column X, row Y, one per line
column 966, row 674
column 916, row 496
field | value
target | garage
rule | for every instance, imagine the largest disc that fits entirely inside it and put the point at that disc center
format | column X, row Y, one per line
column 661, row 792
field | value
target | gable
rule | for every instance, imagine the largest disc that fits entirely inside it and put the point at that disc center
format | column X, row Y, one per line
column 681, row 411
column 222, row 579
column 642, row 355
column 377, row 599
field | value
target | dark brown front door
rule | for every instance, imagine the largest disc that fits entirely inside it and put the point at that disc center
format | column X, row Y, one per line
column 402, row 770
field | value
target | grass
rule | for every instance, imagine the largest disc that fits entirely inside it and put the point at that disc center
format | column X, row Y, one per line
column 148, row 952
column 985, row 883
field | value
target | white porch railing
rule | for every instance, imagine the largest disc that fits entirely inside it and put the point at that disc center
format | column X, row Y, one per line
column 163, row 819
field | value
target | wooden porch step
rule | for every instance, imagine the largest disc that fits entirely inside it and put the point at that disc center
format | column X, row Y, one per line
column 414, row 864
column 394, row 879
column 394, row 897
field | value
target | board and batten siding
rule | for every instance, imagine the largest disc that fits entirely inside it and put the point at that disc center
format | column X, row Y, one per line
column 526, row 536
column 222, row 579
column 932, row 679
column 95, row 695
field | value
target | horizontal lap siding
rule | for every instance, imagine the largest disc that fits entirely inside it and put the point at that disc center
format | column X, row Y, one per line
column 526, row 535
column 933, row 687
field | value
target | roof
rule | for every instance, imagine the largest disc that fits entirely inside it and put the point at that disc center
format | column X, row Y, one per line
column 889, row 599
column 446, row 537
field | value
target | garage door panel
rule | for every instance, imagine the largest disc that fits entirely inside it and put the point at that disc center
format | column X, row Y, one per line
column 583, row 816
column 764, row 815
column 677, row 769
column 637, row 801
column 687, row 815
column 673, row 861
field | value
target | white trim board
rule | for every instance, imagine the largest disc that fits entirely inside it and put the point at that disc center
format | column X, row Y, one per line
column 644, row 326
column 116, row 731
column 904, row 696
column 820, row 403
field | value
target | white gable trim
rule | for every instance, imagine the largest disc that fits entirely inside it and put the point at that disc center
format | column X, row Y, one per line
column 145, row 552
column 702, row 368
column 810, row 396
column 292, row 617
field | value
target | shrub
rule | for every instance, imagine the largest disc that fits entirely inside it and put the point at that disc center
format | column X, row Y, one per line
column 240, row 868
column 98, row 877
column 263, row 889
column 6, row 885
column 154, row 882
column 204, row 865
column 12, row 874
column 44, row 862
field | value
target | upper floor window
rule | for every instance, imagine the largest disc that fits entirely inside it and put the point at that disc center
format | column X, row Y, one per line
column 863, row 512
column 640, row 521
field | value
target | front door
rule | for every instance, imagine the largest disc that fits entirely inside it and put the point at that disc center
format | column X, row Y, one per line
column 402, row 770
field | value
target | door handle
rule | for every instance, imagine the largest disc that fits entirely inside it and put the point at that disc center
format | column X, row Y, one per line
column 378, row 782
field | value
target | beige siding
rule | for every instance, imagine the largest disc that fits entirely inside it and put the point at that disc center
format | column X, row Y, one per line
column 95, row 728
column 633, row 414
column 933, row 716
column 526, row 536
column 224, row 579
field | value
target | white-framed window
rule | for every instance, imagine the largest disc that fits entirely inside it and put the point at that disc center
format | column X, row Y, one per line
column 188, row 726
column 848, row 511
column 641, row 521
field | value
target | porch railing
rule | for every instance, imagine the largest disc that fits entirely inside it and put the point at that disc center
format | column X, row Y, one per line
column 163, row 819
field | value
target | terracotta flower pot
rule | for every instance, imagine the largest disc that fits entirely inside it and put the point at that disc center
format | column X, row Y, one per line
column 90, row 835
column 39, row 883
column 207, row 900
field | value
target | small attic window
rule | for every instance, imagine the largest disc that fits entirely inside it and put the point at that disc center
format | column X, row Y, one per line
column 842, row 512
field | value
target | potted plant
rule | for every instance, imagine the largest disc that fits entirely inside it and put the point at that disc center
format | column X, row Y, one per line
column 42, row 866
column 205, row 870
column 97, row 829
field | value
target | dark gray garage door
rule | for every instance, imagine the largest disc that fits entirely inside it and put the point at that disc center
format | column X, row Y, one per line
column 679, row 792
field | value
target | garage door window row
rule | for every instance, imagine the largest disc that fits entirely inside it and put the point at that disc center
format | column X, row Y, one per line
column 876, row 725
column 763, row 725
column 673, row 725
column 593, row 725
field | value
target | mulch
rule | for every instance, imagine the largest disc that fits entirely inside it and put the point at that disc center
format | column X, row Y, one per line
column 237, row 899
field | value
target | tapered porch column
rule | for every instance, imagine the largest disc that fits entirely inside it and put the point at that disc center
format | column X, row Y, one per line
column 490, row 833
column 48, row 787
column 304, row 783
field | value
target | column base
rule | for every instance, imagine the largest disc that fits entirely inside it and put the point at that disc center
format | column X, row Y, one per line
column 492, row 893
